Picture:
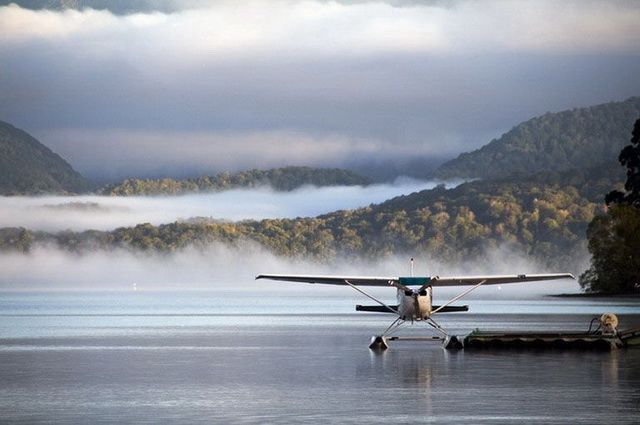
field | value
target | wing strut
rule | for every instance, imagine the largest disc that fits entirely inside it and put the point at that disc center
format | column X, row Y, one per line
column 371, row 297
column 456, row 298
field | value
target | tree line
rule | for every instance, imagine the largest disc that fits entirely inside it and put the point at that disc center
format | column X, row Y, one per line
column 541, row 217
column 280, row 179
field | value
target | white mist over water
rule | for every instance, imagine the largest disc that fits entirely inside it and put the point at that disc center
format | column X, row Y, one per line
column 55, row 213
column 220, row 267
column 223, row 268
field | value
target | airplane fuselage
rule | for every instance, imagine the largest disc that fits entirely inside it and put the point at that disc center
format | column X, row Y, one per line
column 413, row 305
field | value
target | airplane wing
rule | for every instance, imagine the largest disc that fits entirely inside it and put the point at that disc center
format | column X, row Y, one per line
column 333, row 280
column 495, row 279
column 415, row 281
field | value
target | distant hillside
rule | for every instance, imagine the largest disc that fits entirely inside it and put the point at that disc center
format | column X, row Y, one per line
column 28, row 167
column 578, row 138
column 543, row 217
column 281, row 179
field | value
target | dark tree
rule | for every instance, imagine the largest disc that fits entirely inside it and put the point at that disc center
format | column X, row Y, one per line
column 614, row 243
column 614, row 238
column 630, row 158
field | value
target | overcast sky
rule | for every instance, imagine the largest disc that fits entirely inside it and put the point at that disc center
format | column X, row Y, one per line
column 194, row 86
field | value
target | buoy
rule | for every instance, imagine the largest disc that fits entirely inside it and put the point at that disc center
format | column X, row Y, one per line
column 609, row 322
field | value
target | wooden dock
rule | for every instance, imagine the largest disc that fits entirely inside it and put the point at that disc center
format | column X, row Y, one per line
column 551, row 340
column 631, row 337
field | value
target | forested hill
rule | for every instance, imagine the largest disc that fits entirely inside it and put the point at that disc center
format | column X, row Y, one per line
column 578, row 138
column 543, row 217
column 281, row 179
column 27, row 166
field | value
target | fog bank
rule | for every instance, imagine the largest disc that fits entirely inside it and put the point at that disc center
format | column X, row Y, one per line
column 224, row 268
column 55, row 213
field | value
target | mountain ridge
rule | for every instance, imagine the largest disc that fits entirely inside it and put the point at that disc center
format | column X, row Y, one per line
column 555, row 141
column 543, row 217
column 28, row 166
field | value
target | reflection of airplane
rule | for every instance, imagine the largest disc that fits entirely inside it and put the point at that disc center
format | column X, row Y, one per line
column 414, row 295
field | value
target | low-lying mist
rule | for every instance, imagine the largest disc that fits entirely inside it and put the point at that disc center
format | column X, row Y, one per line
column 224, row 268
column 55, row 213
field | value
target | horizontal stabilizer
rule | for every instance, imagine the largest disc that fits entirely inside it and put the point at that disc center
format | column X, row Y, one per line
column 451, row 308
column 376, row 308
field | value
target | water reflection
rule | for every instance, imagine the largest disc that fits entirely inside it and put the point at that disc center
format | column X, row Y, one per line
column 294, row 368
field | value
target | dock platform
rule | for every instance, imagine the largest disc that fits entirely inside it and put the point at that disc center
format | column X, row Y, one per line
column 551, row 340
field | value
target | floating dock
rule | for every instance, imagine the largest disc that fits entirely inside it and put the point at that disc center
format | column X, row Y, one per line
column 479, row 340
column 631, row 338
column 557, row 340
column 605, row 337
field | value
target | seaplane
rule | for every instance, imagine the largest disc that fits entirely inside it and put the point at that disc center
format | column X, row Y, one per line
column 414, row 296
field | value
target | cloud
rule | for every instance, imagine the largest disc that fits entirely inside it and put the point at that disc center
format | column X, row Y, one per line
column 312, row 79
column 171, row 152
column 55, row 213
column 312, row 28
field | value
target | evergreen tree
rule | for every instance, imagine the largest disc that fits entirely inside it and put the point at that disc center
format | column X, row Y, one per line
column 614, row 238
column 614, row 243
column 630, row 158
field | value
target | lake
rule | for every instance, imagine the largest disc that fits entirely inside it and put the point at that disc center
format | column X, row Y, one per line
column 280, row 357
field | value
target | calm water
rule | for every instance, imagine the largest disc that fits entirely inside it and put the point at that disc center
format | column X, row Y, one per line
column 273, row 358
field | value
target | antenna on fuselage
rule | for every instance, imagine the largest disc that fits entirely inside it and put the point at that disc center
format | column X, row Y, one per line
column 411, row 266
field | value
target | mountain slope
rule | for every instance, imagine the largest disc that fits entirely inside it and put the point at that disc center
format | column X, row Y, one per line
column 27, row 166
column 280, row 179
column 543, row 217
column 577, row 138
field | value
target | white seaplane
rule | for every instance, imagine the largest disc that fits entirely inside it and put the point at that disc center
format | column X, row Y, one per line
column 414, row 297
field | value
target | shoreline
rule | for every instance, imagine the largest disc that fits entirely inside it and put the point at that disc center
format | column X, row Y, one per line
column 597, row 295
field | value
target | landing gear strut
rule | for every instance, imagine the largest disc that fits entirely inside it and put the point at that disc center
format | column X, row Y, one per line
column 381, row 342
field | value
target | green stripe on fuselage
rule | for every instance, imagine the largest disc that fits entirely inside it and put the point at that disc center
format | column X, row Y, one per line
column 414, row 281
